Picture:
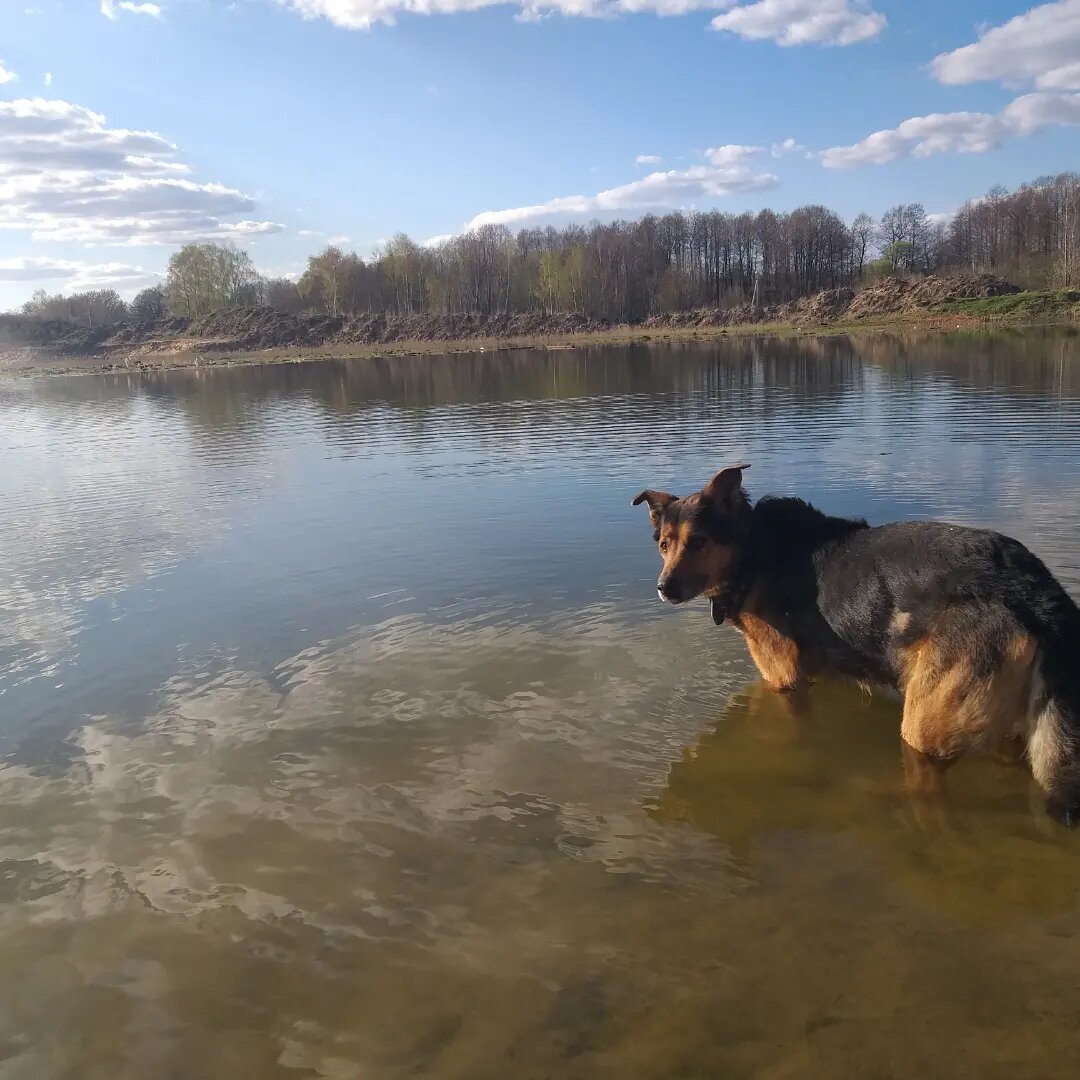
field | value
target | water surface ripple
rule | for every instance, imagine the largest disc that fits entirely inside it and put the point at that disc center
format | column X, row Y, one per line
column 341, row 734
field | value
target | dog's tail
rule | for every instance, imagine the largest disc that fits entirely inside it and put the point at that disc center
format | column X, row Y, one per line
column 1054, row 734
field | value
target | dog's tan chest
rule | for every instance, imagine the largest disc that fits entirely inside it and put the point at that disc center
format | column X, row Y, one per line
column 774, row 652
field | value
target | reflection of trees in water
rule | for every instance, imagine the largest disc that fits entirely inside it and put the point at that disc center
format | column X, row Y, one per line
column 618, row 386
column 811, row 368
column 214, row 401
column 592, row 400
column 1036, row 362
column 227, row 418
column 55, row 393
column 832, row 764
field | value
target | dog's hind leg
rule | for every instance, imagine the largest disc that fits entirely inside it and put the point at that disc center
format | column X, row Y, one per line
column 967, row 685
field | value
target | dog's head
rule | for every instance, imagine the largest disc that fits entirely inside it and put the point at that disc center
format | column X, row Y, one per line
column 700, row 538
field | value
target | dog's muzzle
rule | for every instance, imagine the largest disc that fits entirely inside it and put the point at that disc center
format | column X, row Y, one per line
column 669, row 591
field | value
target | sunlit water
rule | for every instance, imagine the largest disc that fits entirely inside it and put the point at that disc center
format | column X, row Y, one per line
column 343, row 735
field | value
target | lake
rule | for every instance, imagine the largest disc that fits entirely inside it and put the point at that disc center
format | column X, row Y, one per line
column 343, row 735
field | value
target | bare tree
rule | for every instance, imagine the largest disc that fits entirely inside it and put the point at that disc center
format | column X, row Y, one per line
column 625, row 271
column 863, row 229
column 283, row 295
column 92, row 308
column 149, row 305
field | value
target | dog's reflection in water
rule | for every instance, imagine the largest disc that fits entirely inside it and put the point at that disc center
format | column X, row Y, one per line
column 829, row 761
column 802, row 760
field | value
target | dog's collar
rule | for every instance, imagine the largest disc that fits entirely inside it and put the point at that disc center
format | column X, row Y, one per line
column 731, row 602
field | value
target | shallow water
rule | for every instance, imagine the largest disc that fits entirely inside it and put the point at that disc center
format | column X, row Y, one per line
column 343, row 735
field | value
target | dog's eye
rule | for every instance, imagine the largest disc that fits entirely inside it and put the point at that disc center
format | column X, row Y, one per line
column 663, row 545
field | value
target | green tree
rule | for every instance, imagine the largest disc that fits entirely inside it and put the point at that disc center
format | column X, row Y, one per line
column 203, row 278
column 899, row 255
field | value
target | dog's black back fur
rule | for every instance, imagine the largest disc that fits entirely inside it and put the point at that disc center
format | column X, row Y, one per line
column 860, row 598
column 861, row 577
column 967, row 623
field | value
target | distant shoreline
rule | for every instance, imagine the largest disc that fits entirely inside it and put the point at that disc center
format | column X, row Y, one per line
column 196, row 355
column 271, row 336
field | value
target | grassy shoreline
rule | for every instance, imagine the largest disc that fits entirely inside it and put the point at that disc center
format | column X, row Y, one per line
column 1017, row 310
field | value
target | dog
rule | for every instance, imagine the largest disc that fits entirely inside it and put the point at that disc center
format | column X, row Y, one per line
column 970, row 627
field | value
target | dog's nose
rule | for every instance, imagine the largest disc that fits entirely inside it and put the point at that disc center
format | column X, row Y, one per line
column 668, row 589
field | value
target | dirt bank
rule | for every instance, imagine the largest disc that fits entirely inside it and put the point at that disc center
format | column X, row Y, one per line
column 889, row 297
column 252, row 329
column 269, row 334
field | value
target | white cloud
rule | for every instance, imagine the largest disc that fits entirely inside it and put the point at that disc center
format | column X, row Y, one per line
column 309, row 232
column 731, row 154
column 339, row 239
column 363, row 14
column 37, row 134
column 74, row 276
column 33, row 269
column 48, row 78
column 66, row 175
column 289, row 271
column 6, row 74
column 788, row 146
column 110, row 9
column 135, row 162
column 659, row 190
column 610, row 8
column 959, row 132
column 1033, row 112
column 647, row 159
column 788, row 22
column 221, row 755
column 803, row 22
column 1041, row 47
column 437, row 241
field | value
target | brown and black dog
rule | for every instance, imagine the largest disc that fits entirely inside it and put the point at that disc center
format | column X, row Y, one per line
column 968, row 624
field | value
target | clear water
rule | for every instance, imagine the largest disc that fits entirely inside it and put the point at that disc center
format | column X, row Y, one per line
column 342, row 734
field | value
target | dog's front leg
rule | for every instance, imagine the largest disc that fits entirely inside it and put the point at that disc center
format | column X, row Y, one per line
column 774, row 653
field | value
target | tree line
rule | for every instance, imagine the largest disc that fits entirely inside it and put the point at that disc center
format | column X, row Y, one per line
column 626, row 270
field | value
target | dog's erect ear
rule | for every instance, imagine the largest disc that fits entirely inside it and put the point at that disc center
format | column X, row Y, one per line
column 657, row 501
column 724, row 483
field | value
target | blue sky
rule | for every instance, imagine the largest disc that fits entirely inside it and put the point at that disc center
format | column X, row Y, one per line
column 129, row 127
